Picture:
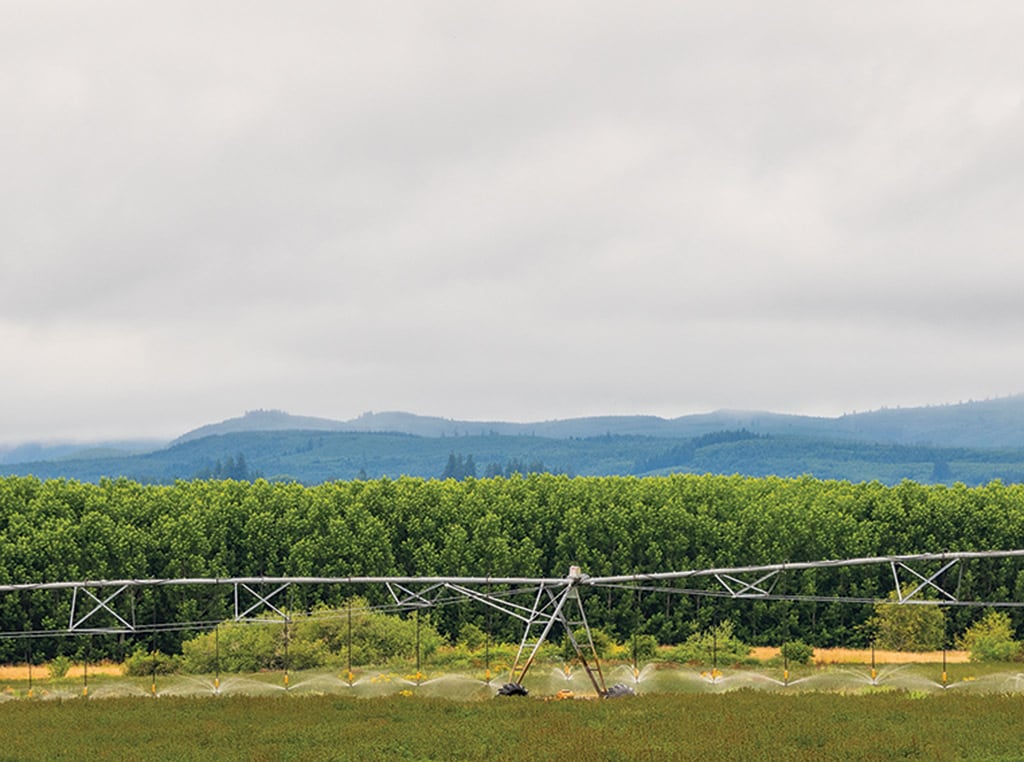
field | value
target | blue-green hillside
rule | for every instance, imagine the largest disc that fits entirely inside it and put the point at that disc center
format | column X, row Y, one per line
column 313, row 457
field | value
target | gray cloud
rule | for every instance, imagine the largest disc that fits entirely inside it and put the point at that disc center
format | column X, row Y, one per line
column 527, row 211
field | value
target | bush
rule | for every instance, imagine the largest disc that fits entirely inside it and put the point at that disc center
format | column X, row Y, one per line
column 376, row 638
column 251, row 648
column 242, row 648
column 908, row 626
column 645, row 646
column 716, row 642
column 318, row 640
column 990, row 639
column 797, row 652
column 472, row 637
column 59, row 666
column 142, row 663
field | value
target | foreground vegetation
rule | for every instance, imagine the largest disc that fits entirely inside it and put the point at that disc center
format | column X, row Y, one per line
column 737, row 726
column 533, row 526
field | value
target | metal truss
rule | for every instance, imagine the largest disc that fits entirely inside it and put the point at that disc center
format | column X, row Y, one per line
column 914, row 579
column 108, row 606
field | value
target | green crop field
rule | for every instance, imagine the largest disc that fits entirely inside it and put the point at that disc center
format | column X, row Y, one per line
column 744, row 725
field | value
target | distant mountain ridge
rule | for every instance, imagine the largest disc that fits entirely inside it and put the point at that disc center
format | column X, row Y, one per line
column 990, row 423
column 972, row 442
column 30, row 452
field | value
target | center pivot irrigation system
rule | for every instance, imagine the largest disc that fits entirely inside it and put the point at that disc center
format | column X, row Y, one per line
column 540, row 603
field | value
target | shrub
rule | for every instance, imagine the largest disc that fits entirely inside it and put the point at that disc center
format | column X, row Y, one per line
column 314, row 641
column 142, row 663
column 716, row 642
column 908, row 626
column 644, row 646
column 377, row 638
column 472, row 637
column 990, row 639
column 239, row 647
column 59, row 666
column 797, row 652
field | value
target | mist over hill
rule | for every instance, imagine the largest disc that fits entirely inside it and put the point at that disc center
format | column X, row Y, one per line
column 973, row 442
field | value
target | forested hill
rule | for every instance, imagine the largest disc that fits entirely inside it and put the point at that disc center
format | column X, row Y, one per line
column 313, row 457
column 985, row 424
column 973, row 443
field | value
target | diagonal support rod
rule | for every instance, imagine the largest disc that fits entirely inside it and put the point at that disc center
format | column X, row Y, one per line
column 925, row 582
column 511, row 608
column 101, row 605
column 518, row 673
column 411, row 597
column 743, row 588
column 261, row 600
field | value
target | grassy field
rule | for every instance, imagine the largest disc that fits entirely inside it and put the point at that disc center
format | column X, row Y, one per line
column 743, row 725
column 829, row 710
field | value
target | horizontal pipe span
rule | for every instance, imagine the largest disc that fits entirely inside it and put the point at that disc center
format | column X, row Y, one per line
column 547, row 581
column 800, row 565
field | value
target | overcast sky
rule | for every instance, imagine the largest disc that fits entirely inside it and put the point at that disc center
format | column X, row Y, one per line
column 515, row 211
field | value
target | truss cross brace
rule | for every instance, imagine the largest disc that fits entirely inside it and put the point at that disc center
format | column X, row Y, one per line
column 924, row 583
column 101, row 605
column 744, row 589
column 261, row 600
column 409, row 597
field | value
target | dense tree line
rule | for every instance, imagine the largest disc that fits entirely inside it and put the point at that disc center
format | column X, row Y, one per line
column 525, row 525
column 231, row 467
column 459, row 467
